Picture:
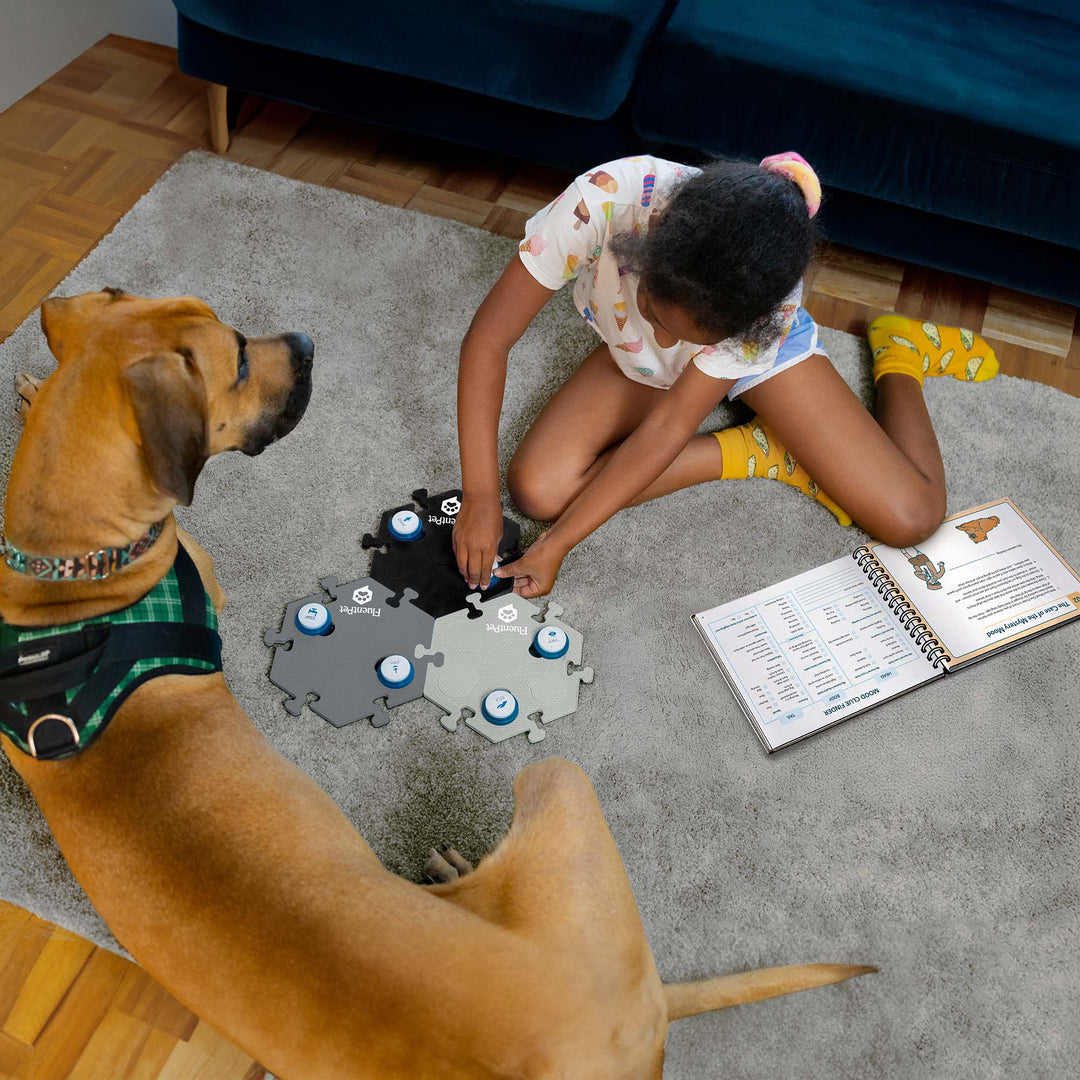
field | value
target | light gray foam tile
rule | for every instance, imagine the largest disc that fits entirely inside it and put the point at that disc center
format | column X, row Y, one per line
column 493, row 652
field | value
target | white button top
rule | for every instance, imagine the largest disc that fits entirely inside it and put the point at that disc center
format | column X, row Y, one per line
column 551, row 641
column 312, row 619
column 405, row 525
column 500, row 705
column 396, row 670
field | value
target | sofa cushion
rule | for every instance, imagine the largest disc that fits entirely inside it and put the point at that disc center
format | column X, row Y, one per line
column 969, row 112
column 1008, row 63
column 577, row 57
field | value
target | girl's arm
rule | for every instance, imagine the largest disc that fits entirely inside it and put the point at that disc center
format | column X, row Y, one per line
column 649, row 449
column 501, row 319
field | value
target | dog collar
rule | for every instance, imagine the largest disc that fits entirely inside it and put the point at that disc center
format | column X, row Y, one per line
column 93, row 566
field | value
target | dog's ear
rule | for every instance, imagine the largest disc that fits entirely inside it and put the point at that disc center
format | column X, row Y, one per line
column 62, row 314
column 168, row 399
column 55, row 319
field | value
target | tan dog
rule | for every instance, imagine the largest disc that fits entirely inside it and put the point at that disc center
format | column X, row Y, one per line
column 225, row 871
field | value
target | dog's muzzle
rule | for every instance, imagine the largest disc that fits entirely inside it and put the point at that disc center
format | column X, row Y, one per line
column 302, row 350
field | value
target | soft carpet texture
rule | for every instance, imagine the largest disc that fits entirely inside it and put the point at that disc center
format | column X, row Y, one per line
column 937, row 836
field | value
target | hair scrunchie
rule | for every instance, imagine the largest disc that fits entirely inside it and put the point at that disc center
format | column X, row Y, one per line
column 796, row 167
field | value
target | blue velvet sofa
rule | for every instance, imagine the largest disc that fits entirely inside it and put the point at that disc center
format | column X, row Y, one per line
column 946, row 134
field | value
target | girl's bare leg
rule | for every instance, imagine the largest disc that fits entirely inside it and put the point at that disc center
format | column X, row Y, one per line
column 576, row 432
column 886, row 472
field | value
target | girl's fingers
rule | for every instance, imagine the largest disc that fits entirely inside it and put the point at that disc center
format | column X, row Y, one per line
column 526, row 584
column 476, row 567
column 480, row 568
column 459, row 557
column 527, row 587
column 487, row 560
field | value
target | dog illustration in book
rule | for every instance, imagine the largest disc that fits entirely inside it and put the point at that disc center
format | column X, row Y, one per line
column 924, row 568
column 978, row 529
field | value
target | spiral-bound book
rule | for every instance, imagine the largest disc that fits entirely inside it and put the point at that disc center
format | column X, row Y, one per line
column 835, row 641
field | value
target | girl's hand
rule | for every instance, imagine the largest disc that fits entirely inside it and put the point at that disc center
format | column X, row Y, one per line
column 477, row 534
column 535, row 572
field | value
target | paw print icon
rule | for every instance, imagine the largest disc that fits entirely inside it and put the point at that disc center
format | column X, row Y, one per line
column 452, row 506
column 362, row 596
column 508, row 614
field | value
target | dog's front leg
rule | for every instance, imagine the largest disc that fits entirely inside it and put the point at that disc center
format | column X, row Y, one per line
column 26, row 386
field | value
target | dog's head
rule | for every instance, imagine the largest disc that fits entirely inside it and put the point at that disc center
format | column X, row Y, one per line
column 978, row 529
column 186, row 385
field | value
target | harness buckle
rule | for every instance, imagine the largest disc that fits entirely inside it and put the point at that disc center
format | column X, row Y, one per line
column 41, row 720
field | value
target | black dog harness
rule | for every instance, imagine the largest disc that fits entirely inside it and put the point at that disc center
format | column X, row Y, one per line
column 61, row 685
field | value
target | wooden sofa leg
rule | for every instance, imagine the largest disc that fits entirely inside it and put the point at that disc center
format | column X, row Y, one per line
column 219, row 122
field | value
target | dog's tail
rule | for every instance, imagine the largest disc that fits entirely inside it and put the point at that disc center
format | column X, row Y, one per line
column 689, row 999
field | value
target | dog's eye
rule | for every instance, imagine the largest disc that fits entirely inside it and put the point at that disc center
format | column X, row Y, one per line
column 242, row 364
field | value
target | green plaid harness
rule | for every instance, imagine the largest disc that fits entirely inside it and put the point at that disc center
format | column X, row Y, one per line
column 61, row 685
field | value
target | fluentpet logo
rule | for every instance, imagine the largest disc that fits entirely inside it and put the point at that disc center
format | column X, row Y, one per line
column 451, row 508
column 508, row 613
column 361, row 597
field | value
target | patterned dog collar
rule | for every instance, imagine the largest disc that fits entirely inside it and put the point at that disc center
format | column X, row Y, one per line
column 93, row 566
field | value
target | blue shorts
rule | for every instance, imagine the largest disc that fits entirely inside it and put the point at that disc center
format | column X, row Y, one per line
column 801, row 342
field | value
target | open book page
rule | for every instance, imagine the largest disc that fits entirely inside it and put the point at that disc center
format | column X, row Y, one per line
column 984, row 580
column 811, row 651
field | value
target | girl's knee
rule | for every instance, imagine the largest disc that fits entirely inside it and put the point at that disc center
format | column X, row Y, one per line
column 535, row 493
column 909, row 521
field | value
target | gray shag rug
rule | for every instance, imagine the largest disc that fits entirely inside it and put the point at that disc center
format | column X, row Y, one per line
column 937, row 836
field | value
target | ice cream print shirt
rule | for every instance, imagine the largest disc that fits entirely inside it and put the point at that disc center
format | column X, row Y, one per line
column 570, row 239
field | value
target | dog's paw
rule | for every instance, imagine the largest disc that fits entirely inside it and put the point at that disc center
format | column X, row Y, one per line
column 445, row 866
column 26, row 387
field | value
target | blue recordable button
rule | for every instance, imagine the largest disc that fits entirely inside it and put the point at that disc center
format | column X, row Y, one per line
column 314, row 619
column 395, row 671
column 500, row 707
column 551, row 642
column 406, row 525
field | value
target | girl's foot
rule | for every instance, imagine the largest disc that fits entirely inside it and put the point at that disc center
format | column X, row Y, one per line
column 753, row 450
column 910, row 347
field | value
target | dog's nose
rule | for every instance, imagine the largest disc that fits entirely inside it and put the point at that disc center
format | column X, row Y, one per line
column 303, row 348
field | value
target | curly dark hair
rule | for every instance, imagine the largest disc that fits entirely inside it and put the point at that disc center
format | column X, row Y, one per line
column 732, row 242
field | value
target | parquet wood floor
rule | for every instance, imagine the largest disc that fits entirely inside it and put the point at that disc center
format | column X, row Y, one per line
column 70, row 1009
column 75, row 155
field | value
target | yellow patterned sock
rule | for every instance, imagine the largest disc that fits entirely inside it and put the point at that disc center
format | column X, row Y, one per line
column 916, row 348
column 753, row 450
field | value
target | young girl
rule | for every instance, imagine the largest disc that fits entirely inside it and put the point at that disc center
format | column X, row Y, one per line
column 692, row 279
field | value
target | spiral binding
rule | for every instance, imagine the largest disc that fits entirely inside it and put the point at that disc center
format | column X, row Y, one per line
column 906, row 613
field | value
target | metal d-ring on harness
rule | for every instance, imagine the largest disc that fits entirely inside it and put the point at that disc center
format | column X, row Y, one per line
column 59, row 691
column 66, row 720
